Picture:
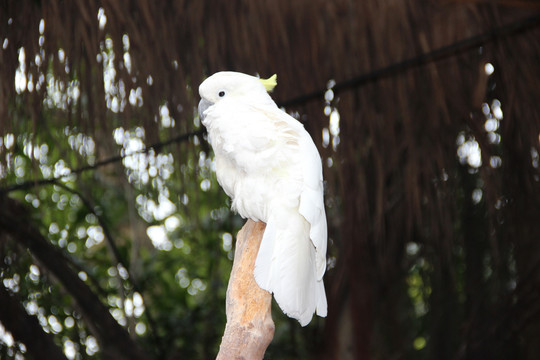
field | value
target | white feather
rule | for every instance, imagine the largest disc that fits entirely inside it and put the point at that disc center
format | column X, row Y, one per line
column 290, row 274
column 269, row 166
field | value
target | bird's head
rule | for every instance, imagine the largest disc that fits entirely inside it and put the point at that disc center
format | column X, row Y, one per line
column 229, row 85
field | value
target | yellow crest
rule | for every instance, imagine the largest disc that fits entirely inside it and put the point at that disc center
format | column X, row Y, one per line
column 270, row 83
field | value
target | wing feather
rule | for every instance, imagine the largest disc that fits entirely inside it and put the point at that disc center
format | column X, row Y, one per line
column 312, row 202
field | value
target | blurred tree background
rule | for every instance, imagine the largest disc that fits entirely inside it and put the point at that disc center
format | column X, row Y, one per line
column 116, row 241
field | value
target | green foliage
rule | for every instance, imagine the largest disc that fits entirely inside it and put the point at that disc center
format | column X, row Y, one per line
column 153, row 239
column 170, row 290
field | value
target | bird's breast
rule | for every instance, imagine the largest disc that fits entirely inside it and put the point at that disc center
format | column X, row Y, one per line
column 254, row 194
column 256, row 164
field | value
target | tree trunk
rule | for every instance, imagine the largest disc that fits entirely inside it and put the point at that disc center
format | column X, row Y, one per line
column 26, row 328
column 249, row 328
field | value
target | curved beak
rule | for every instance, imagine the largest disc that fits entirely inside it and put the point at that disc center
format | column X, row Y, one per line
column 203, row 106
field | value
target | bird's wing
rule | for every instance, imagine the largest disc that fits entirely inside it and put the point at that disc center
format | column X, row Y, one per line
column 288, row 262
column 312, row 189
column 312, row 201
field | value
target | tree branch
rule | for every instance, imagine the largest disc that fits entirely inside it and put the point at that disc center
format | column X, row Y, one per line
column 26, row 328
column 118, row 259
column 113, row 338
column 249, row 328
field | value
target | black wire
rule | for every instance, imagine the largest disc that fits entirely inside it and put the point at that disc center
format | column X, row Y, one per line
column 433, row 56
column 54, row 180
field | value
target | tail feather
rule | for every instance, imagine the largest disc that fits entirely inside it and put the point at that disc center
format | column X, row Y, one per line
column 286, row 266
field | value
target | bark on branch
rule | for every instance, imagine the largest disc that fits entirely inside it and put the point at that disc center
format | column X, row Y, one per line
column 114, row 340
column 250, row 327
column 26, row 328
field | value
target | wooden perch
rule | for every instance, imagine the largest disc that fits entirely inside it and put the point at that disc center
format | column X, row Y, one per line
column 250, row 327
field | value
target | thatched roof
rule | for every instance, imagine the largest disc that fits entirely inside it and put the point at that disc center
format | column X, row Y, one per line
column 395, row 177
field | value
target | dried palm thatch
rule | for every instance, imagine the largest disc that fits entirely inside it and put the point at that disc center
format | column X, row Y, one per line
column 395, row 179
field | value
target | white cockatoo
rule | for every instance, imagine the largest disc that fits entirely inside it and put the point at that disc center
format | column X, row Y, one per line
column 269, row 166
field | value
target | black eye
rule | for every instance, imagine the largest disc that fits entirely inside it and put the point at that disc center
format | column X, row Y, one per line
column 221, row 94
